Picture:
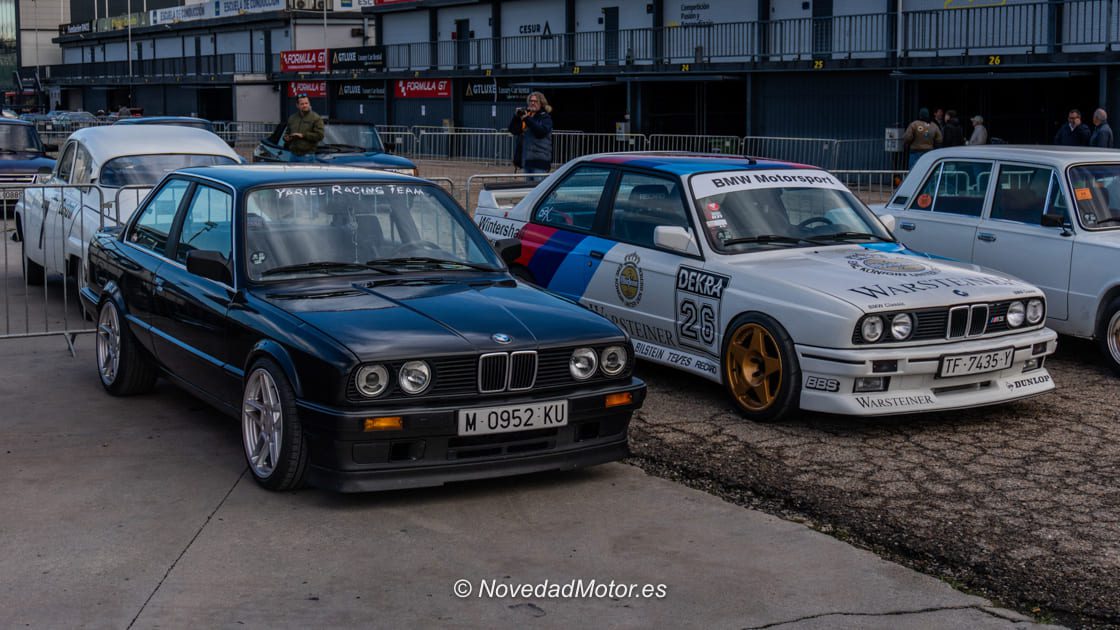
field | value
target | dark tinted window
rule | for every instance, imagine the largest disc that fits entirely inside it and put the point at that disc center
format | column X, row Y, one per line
column 146, row 170
column 641, row 204
column 154, row 223
column 955, row 188
column 1022, row 193
column 574, row 203
column 208, row 224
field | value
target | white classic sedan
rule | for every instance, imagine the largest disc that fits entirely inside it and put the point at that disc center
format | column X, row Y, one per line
column 1048, row 215
column 100, row 178
column 776, row 281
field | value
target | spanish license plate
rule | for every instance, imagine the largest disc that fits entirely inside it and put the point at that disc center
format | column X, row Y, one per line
column 484, row 420
column 10, row 193
column 976, row 363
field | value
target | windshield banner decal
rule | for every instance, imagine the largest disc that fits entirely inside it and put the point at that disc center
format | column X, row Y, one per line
column 708, row 184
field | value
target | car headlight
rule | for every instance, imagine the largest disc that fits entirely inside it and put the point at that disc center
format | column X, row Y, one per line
column 1035, row 311
column 901, row 326
column 872, row 328
column 1016, row 312
column 583, row 363
column 371, row 380
column 613, row 360
column 415, row 376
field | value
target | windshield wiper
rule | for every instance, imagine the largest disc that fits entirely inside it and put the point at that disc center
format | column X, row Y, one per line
column 424, row 260
column 769, row 238
column 341, row 146
column 840, row 236
column 1108, row 220
column 325, row 266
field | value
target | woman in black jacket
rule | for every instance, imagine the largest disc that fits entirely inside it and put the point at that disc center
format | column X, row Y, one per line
column 533, row 128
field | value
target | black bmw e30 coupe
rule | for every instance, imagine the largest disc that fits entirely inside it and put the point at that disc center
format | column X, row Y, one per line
column 366, row 333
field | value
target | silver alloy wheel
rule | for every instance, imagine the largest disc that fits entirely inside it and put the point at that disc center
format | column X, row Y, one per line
column 1113, row 332
column 108, row 344
column 262, row 422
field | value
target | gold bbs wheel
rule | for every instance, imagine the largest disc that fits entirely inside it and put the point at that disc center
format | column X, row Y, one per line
column 760, row 368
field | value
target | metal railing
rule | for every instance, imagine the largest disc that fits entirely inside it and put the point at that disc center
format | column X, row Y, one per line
column 203, row 65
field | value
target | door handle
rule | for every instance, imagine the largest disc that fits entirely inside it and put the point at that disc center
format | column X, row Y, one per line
column 908, row 226
column 986, row 236
column 596, row 254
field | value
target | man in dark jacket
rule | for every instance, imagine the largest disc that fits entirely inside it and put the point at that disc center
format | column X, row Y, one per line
column 533, row 128
column 1075, row 134
column 305, row 129
column 1102, row 133
column 952, row 135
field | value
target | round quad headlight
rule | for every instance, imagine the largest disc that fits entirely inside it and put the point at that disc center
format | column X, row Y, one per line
column 901, row 326
column 372, row 380
column 1035, row 311
column 613, row 360
column 582, row 364
column 415, row 376
column 871, row 329
column 1016, row 312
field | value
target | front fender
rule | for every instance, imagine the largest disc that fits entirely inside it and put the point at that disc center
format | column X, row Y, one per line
column 267, row 348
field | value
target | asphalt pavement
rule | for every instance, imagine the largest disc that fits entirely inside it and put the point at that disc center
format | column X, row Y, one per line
column 139, row 512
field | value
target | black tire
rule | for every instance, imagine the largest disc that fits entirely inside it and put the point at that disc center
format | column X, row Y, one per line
column 760, row 369
column 283, row 467
column 34, row 272
column 1108, row 334
column 132, row 372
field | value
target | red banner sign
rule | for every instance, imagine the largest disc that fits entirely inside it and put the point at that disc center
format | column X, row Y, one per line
column 313, row 89
column 423, row 88
column 303, row 60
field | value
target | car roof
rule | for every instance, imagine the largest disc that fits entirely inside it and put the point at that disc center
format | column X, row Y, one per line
column 1054, row 156
column 154, row 120
column 248, row 175
column 15, row 121
column 681, row 163
column 110, row 141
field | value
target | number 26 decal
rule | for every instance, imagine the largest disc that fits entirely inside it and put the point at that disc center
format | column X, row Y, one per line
column 697, row 322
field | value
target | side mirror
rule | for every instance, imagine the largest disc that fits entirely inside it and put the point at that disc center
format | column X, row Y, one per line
column 509, row 249
column 888, row 222
column 675, row 238
column 209, row 264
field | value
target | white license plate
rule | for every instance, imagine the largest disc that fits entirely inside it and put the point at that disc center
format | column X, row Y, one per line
column 10, row 193
column 483, row 420
column 976, row 363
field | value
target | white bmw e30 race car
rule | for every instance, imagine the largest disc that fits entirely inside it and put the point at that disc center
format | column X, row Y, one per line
column 776, row 281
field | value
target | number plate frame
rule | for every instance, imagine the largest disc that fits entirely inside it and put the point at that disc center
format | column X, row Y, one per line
column 1003, row 363
column 546, row 414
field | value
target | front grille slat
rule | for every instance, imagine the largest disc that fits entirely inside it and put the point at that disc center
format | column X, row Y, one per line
column 979, row 320
column 493, row 372
column 522, row 370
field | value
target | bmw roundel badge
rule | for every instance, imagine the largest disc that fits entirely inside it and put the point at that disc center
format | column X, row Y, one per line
column 501, row 338
column 960, row 293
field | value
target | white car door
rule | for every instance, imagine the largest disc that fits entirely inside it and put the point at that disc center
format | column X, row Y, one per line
column 636, row 282
column 1012, row 238
column 50, row 235
column 943, row 216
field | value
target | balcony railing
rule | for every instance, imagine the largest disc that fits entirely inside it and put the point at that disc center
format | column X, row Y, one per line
column 204, row 65
column 1045, row 27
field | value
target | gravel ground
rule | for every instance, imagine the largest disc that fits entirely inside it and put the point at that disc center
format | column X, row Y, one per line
column 1020, row 503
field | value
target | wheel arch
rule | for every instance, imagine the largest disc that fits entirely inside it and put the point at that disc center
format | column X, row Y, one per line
column 1109, row 295
column 733, row 323
column 270, row 349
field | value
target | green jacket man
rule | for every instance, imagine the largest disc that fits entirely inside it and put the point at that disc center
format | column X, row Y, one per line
column 305, row 128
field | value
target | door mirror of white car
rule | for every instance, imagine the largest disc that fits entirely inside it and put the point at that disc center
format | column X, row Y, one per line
column 888, row 222
column 675, row 238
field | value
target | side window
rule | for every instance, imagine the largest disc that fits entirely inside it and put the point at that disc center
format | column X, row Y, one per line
column 575, row 201
column 1022, row 193
column 154, row 223
column 642, row 203
column 955, row 188
column 83, row 164
column 66, row 162
column 207, row 224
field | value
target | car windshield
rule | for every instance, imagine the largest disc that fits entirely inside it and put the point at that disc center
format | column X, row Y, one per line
column 146, row 170
column 19, row 138
column 1096, row 192
column 353, row 137
column 194, row 124
column 746, row 210
column 363, row 227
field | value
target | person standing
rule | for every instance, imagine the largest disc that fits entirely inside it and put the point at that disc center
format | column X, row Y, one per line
column 979, row 131
column 939, row 119
column 1075, row 133
column 305, row 130
column 953, row 135
column 1102, row 133
column 921, row 136
column 533, row 128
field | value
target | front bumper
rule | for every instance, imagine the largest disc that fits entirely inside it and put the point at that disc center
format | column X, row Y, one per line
column 429, row 452
column 828, row 376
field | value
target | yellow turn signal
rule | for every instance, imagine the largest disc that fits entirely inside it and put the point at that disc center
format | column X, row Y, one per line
column 617, row 400
column 384, row 423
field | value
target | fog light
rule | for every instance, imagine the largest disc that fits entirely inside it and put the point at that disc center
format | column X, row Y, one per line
column 618, row 400
column 1031, row 364
column 871, row 384
column 384, row 423
column 1038, row 348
